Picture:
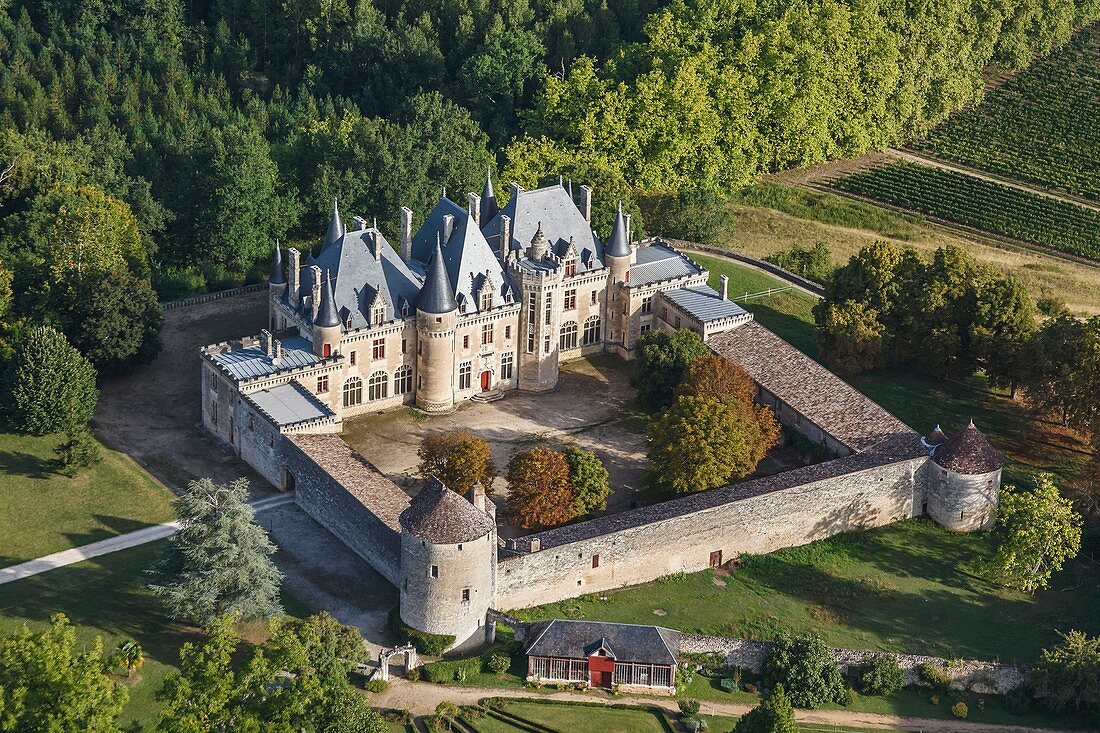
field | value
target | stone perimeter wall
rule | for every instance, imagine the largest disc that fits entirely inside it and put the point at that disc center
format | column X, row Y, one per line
column 966, row 674
column 684, row 543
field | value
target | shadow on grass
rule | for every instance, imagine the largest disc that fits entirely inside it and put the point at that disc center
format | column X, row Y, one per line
column 19, row 463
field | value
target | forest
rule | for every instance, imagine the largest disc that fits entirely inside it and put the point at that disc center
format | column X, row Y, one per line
column 151, row 149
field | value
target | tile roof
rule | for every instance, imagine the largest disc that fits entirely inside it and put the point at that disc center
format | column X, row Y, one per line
column 658, row 262
column 442, row 517
column 704, row 304
column 628, row 642
column 251, row 362
column 968, row 451
column 560, row 218
column 289, row 404
column 817, row 394
column 356, row 474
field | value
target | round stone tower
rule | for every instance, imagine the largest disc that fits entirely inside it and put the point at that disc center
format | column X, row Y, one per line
column 276, row 288
column 436, row 320
column 326, row 325
column 965, row 481
column 448, row 563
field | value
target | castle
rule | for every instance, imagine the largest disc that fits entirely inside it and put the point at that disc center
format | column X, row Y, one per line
column 479, row 302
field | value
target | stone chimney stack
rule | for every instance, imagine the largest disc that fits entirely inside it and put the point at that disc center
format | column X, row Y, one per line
column 293, row 277
column 376, row 244
column 277, row 351
column 505, row 238
column 725, row 284
column 406, row 233
column 360, row 223
column 629, row 232
column 477, row 496
column 448, row 227
column 475, row 208
column 514, row 190
column 265, row 341
column 315, row 301
column 586, row 203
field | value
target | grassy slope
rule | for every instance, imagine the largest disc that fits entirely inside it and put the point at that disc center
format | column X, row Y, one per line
column 43, row 512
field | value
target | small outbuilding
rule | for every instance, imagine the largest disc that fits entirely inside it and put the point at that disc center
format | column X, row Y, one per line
column 601, row 654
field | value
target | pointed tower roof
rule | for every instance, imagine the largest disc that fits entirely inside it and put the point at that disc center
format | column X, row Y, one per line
column 617, row 245
column 278, row 277
column 442, row 517
column 969, row 452
column 335, row 228
column 488, row 200
column 437, row 295
column 326, row 314
column 937, row 437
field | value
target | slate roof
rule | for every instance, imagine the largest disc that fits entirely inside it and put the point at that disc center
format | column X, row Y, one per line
column 471, row 263
column 359, row 278
column 488, row 200
column 628, row 642
column 658, row 262
column 618, row 244
column 968, row 451
column 431, row 231
column 704, row 304
column 560, row 218
column 251, row 362
column 442, row 517
column 335, row 228
column 437, row 295
column 817, row 394
column 326, row 313
column 289, row 404
column 278, row 277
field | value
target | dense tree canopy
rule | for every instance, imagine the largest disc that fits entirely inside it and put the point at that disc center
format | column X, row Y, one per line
column 662, row 358
column 459, row 459
column 589, row 479
column 540, row 492
column 805, row 666
column 53, row 387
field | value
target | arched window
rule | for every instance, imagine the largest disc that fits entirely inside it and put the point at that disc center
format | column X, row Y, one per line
column 403, row 380
column 592, row 331
column 353, row 392
column 568, row 336
column 378, row 386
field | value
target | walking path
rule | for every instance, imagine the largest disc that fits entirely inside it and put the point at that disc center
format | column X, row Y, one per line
column 421, row 698
column 113, row 544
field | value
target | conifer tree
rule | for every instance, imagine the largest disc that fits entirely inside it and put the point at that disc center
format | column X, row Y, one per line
column 53, row 387
column 773, row 715
column 220, row 560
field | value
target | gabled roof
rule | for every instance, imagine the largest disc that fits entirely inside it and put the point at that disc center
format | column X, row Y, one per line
column 437, row 296
column 561, row 220
column 470, row 263
column 431, row 231
column 360, row 277
column 630, row 642
column 968, row 451
column 442, row 517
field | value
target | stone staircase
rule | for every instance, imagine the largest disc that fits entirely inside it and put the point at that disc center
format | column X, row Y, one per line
column 491, row 396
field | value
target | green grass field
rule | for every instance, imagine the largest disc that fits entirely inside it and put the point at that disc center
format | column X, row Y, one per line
column 42, row 511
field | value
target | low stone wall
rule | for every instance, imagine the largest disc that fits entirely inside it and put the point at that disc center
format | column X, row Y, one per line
column 967, row 674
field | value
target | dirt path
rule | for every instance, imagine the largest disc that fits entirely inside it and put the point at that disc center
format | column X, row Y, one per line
column 421, row 698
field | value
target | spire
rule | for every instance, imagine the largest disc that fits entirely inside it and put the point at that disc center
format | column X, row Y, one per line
column 617, row 246
column 326, row 314
column 335, row 228
column 538, row 248
column 488, row 200
column 277, row 275
column 437, row 295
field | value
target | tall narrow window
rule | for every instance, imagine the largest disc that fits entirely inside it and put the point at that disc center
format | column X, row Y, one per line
column 591, row 331
column 570, row 302
column 378, row 386
column 486, row 298
column 403, row 380
column 378, row 349
column 464, row 371
column 466, row 341
column 571, row 267
column 353, row 392
column 322, row 384
column 353, row 357
column 487, row 334
column 595, row 297
column 647, row 304
column 506, row 365
column 549, row 307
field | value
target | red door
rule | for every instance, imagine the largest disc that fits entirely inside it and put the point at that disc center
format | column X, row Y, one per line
column 486, row 378
column 600, row 671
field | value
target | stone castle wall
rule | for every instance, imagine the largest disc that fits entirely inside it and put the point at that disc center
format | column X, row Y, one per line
column 693, row 533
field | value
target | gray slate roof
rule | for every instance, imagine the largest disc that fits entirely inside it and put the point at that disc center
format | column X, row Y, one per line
column 335, row 228
column 437, row 296
column 431, row 231
column 326, row 313
column 618, row 244
column 628, row 642
column 442, row 517
column 278, row 277
column 704, row 304
column 289, row 404
column 252, row 362
column 488, row 200
column 658, row 262
column 359, row 278
column 470, row 263
column 560, row 218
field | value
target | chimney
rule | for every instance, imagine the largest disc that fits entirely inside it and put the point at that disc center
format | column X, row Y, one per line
column 629, row 234
column 475, row 208
column 514, row 190
column 277, row 351
column 586, row 203
column 265, row 341
column 360, row 223
column 477, row 496
column 535, row 544
column 294, row 282
column 376, row 245
column 448, row 227
column 406, row 233
column 725, row 284
column 315, row 301
column 505, row 238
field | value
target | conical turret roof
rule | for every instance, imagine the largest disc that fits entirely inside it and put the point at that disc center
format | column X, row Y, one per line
column 442, row 517
column 936, row 437
column 488, row 200
column 437, row 295
column 618, row 245
column 326, row 314
column 278, row 277
column 968, row 451
column 335, row 228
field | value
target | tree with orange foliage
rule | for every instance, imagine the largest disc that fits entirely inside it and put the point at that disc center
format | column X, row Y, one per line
column 540, row 492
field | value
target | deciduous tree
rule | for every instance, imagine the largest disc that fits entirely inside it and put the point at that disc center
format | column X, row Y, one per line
column 540, row 492
column 806, row 669
column 220, row 560
column 459, row 459
column 53, row 387
column 1068, row 674
column 662, row 360
column 589, row 479
column 716, row 377
column 1036, row 532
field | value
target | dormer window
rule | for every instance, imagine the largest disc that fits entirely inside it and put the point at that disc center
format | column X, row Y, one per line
column 485, row 299
column 571, row 267
column 378, row 313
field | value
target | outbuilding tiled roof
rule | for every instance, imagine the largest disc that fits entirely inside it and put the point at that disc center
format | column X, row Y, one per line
column 968, row 451
column 442, row 517
column 627, row 642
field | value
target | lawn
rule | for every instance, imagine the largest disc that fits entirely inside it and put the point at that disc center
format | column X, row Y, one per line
column 577, row 718
column 42, row 511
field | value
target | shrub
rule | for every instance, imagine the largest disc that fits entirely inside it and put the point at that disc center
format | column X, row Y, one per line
column 750, row 688
column 959, row 710
column 498, row 663
column 80, row 450
column 377, row 685
column 688, row 708
column 728, row 684
column 425, row 643
column 437, row 673
column 814, row 263
column 447, row 709
column 1018, row 701
column 882, row 676
column 413, row 675
column 935, row 699
column 933, row 675
column 806, row 669
column 691, row 725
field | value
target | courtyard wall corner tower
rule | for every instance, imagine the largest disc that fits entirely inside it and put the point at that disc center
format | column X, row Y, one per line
column 966, row 480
